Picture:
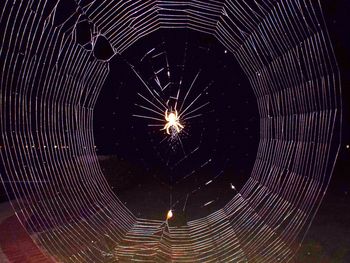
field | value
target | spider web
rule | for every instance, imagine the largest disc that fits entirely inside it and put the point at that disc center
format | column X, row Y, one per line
column 193, row 160
column 55, row 59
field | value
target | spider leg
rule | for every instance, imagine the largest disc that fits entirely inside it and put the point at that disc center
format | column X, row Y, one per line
column 166, row 115
column 167, row 129
column 163, row 127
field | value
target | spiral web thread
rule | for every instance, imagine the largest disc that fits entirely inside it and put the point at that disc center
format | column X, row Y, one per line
column 50, row 84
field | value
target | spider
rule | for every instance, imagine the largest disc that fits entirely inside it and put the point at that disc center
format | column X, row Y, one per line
column 172, row 121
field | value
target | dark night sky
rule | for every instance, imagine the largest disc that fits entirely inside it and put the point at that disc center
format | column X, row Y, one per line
column 337, row 19
column 219, row 146
column 227, row 133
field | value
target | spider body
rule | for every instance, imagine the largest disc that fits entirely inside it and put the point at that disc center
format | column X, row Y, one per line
column 172, row 121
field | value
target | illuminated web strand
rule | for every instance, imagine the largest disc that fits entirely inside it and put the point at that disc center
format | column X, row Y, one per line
column 194, row 110
column 150, row 102
column 149, row 109
column 148, row 89
column 147, row 117
column 193, row 116
column 187, row 93
column 155, row 125
column 191, row 104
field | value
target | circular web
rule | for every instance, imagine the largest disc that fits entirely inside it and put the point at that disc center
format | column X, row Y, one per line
column 55, row 59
